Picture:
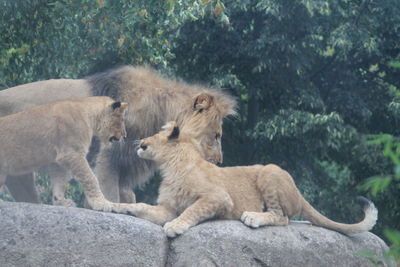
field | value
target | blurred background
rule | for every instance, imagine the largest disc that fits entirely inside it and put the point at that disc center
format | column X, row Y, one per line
column 317, row 81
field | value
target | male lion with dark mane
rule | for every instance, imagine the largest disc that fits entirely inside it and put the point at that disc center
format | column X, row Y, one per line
column 58, row 136
column 193, row 190
column 152, row 100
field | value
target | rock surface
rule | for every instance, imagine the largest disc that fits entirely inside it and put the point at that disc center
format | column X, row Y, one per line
column 40, row 235
column 230, row 243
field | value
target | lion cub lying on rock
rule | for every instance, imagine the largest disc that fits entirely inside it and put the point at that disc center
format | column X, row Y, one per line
column 194, row 190
column 57, row 136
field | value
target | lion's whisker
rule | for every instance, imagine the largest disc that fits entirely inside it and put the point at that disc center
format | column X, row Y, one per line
column 136, row 142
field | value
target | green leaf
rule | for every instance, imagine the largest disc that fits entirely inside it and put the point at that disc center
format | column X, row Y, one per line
column 393, row 236
column 394, row 64
column 376, row 184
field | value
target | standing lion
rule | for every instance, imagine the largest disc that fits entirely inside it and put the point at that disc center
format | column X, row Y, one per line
column 152, row 100
column 58, row 136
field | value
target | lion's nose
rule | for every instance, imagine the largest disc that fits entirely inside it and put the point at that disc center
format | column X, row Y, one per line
column 143, row 147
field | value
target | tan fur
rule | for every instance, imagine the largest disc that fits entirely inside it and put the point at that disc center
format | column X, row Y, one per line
column 58, row 136
column 153, row 100
column 194, row 190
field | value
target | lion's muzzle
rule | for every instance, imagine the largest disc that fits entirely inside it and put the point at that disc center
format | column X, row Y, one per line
column 143, row 147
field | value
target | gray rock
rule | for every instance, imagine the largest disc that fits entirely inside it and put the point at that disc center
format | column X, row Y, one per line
column 230, row 243
column 41, row 235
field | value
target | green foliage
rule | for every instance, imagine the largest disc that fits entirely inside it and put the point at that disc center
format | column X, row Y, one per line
column 377, row 184
column 394, row 238
column 43, row 186
column 394, row 64
column 72, row 38
column 75, row 192
column 5, row 196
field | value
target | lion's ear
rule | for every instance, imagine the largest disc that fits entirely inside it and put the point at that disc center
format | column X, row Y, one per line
column 120, row 106
column 203, row 102
column 116, row 105
column 174, row 134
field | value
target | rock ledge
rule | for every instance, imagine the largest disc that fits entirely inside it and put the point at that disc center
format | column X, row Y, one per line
column 41, row 235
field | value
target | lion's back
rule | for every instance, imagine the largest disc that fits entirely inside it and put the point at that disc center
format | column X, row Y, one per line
column 34, row 136
column 25, row 96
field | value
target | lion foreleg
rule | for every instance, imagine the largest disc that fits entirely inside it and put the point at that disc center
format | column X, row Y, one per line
column 156, row 214
column 204, row 208
column 80, row 169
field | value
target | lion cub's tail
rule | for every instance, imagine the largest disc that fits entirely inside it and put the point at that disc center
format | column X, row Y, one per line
column 371, row 215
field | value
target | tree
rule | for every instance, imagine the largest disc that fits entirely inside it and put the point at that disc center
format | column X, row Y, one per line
column 44, row 39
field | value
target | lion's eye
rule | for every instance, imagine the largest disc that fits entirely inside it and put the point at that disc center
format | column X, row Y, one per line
column 217, row 136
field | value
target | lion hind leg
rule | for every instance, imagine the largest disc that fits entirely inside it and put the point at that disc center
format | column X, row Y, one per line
column 204, row 208
column 273, row 216
column 59, row 178
column 22, row 188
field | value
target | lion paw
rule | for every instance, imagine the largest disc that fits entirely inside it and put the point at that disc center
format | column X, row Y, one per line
column 101, row 205
column 124, row 208
column 175, row 227
column 252, row 219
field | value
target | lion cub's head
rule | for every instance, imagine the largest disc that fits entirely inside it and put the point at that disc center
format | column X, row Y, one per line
column 202, row 129
column 112, row 126
column 154, row 147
